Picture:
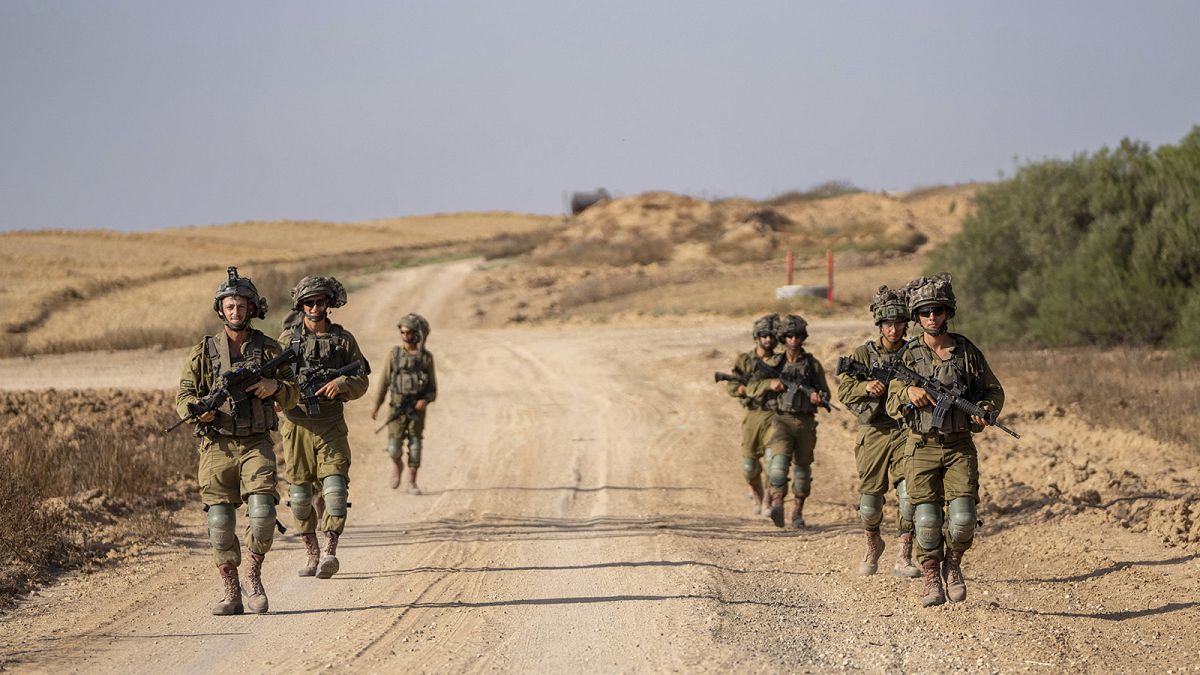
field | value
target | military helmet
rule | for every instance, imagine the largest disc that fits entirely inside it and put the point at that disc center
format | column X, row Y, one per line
column 415, row 322
column 235, row 285
column 889, row 305
column 791, row 325
column 934, row 290
column 765, row 325
column 312, row 285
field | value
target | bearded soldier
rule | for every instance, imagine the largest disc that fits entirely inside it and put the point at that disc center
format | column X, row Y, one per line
column 879, row 447
column 793, row 394
column 237, row 462
column 316, row 448
column 412, row 382
column 756, row 425
column 941, row 465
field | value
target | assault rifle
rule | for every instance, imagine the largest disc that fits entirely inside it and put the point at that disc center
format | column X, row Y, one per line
column 408, row 404
column 312, row 379
column 794, row 388
column 233, row 385
column 944, row 395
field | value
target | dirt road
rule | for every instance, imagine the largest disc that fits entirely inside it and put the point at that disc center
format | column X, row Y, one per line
column 584, row 509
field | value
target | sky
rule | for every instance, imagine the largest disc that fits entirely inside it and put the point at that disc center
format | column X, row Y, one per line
column 136, row 115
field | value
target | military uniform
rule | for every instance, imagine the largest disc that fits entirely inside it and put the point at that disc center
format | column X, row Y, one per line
column 756, row 425
column 408, row 377
column 317, row 446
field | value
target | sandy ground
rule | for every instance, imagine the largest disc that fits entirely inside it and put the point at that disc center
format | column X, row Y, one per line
column 584, row 509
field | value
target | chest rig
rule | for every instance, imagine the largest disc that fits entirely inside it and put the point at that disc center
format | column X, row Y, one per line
column 962, row 367
column 409, row 374
column 871, row 411
column 319, row 350
column 802, row 370
column 252, row 415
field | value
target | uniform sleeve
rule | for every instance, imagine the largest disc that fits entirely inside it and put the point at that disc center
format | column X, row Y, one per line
column 288, row 394
column 354, row 386
column 381, row 389
column 191, row 381
column 819, row 379
column 897, row 401
column 852, row 390
column 759, row 389
column 741, row 366
column 430, row 394
column 993, row 393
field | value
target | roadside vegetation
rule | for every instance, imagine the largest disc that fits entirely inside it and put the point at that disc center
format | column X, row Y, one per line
column 1101, row 249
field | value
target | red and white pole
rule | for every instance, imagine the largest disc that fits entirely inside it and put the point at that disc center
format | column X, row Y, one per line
column 790, row 266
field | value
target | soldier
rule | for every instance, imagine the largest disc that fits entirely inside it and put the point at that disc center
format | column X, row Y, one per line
column 941, row 465
column 412, row 382
column 237, row 461
column 756, row 425
column 794, row 425
column 878, row 450
column 316, row 448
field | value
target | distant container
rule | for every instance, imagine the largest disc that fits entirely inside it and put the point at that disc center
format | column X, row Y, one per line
column 795, row 291
column 582, row 200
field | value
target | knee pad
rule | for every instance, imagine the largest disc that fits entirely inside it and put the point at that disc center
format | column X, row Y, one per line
column 751, row 469
column 414, row 451
column 801, row 480
column 905, row 507
column 396, row 447
column 870, row 510
column 300, row 498
column 961, row 525
column 928, row 521
column 222, row 519
column 260, row 510
column 778, row 471
column 335, row 491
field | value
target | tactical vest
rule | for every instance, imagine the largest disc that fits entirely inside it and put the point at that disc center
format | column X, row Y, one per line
column 749, row 362
column 803, row 370
column 871, row 411
column 318, row 350
column 253, row 415
column 964, row 366
column 410, row 373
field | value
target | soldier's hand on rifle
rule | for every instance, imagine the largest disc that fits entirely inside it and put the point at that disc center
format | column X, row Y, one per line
column 330, row 390
column 741, row 390
column 264, row 388
column 777, row 385
column 420, row 405
column 207, row 417
column 815, row 398
column 979, row 420
column 919, row 397
column 875, row 388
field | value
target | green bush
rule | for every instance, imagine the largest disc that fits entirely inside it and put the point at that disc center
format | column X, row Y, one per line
column 1101, row 249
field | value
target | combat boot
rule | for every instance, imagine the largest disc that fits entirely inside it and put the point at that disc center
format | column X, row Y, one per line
column 904, row 566
column 329, row 563
column 956, row 585
column 933, row 584
column 257, row 602
column 756, row 498
column 397, row 465
column 232, row 602
column 870, row 561
column 798, row 515
column 412, row 481
column 777, row 508
column 314, row 554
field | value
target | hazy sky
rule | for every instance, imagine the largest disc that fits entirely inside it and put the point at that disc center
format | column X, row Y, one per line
column 135, row 115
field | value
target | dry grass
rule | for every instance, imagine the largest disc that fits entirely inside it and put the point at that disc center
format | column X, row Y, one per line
column 86, row 471
column 1150, row 392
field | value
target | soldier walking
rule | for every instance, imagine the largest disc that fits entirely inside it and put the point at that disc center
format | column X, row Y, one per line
column 941, row 463
column 411, row 381
column 879, row 448
column 794, row 425
column 237, row 460
column 756, row 424
column 316, row 446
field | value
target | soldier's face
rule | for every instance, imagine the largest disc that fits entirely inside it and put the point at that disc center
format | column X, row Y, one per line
column 932, row 317
column 893, row 331
column 409, row 336
column 792, row 342
column 315, row 307
column 235, row 309
column 767, row 341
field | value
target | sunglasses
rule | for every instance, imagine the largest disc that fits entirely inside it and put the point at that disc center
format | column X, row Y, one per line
column 763, row 335
column 313, row 302
column 931, row 311
column 790, row 335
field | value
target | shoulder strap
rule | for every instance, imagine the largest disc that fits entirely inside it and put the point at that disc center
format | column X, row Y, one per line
column 223, row 362
column 297, row 340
